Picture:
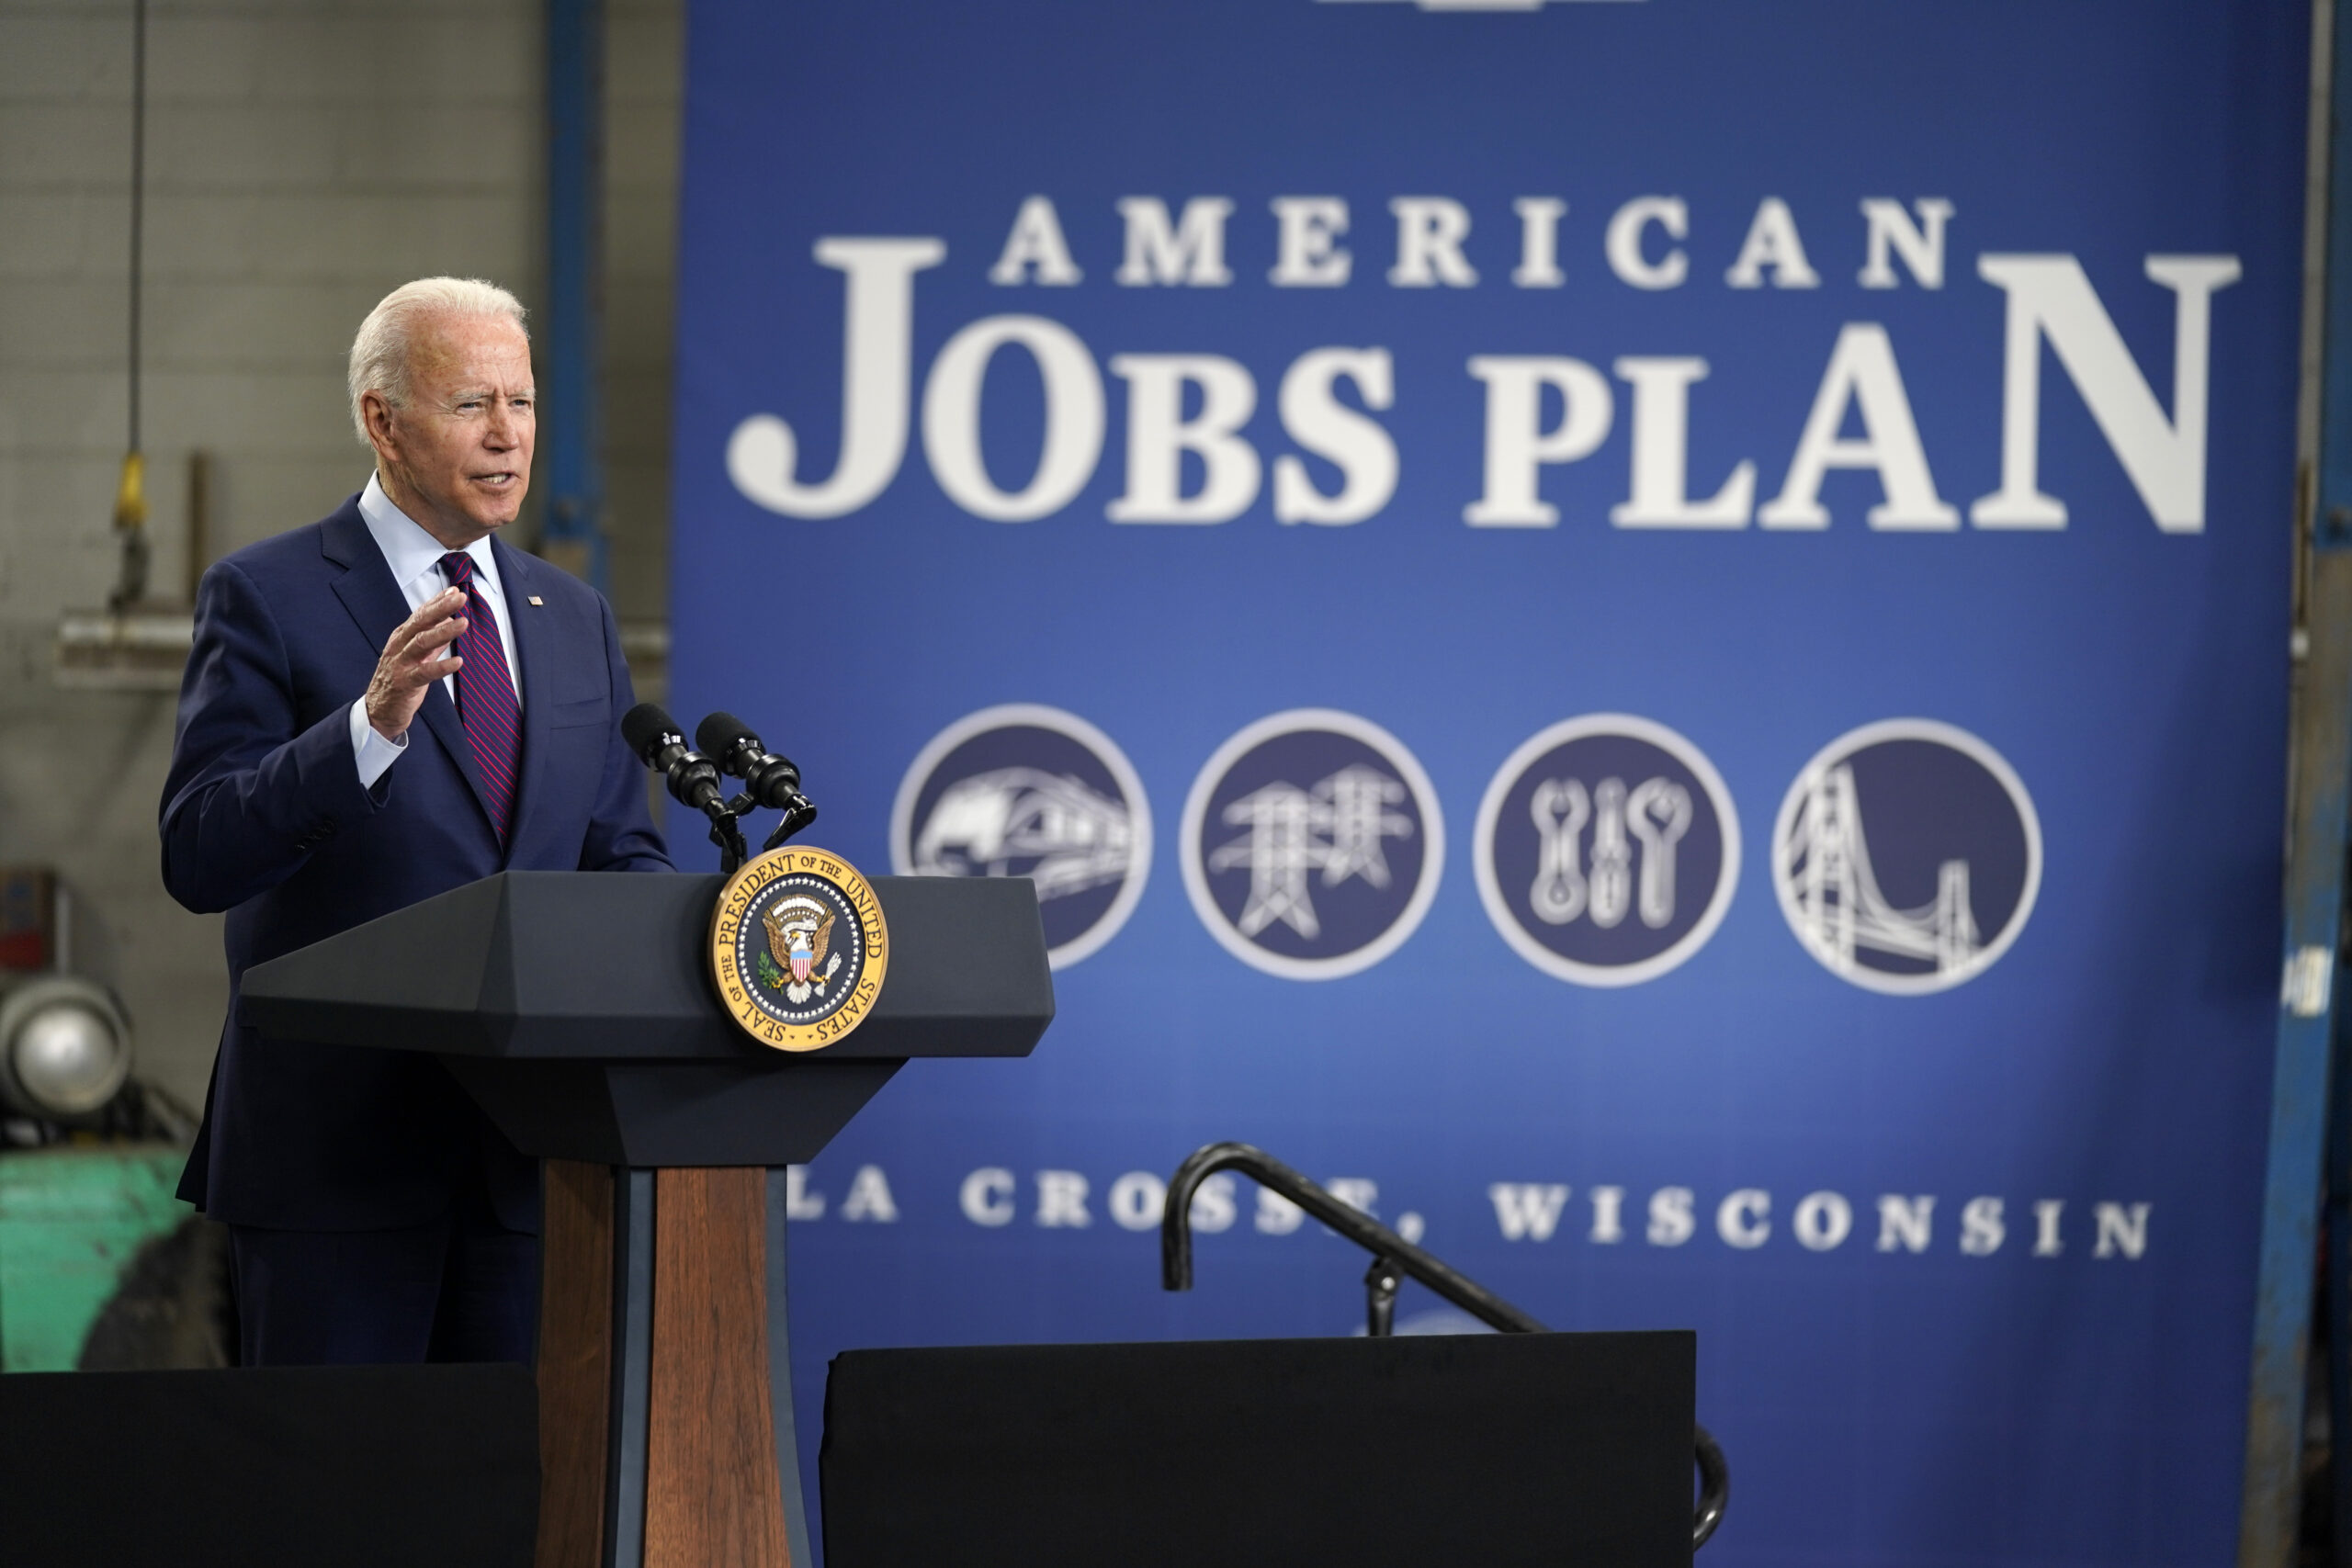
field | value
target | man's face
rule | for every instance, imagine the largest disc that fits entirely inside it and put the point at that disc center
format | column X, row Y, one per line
column 457, row 457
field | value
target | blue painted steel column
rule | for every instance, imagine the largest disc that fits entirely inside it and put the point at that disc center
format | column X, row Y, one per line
column 570, row 426
column 2314, row 908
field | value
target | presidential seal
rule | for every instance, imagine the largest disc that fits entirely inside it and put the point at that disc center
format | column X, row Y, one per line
column 798, row 948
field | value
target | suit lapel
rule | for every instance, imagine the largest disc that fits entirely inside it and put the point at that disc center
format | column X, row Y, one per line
column 533, row 658
column 378, row 606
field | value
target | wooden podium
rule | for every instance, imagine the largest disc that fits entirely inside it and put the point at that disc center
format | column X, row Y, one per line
column 578, row 1010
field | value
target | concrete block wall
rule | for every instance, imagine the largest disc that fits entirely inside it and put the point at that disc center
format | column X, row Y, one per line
column 304, row 157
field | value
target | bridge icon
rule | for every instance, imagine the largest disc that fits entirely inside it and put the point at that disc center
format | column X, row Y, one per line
column 1959, row 807
column 1827, row 859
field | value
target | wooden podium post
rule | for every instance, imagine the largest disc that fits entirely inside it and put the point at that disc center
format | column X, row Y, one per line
column 693, row 1376
column 712, row 1460
column 575, row 1367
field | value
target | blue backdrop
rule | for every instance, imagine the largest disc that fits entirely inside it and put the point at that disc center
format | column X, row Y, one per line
column 1653, row 632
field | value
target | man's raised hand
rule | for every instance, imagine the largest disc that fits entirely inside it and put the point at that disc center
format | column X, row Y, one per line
column 413, row 661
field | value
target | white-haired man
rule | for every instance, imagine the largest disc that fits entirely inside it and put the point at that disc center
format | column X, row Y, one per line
column 380, row 707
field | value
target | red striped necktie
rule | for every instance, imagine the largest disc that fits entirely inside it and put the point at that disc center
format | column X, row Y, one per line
column 486, row 704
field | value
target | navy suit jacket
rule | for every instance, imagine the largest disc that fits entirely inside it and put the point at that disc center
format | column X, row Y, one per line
column 263, row 816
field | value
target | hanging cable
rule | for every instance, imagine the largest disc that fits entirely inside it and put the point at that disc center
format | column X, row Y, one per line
column 130, row 495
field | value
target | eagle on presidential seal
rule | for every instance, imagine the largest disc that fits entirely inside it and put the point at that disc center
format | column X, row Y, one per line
column 800, row 931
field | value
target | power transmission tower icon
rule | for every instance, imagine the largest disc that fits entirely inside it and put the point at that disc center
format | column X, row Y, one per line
column 1311, row 844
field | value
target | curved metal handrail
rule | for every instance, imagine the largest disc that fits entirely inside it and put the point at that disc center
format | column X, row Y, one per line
column 1714, row 1486
column 1392, row 1255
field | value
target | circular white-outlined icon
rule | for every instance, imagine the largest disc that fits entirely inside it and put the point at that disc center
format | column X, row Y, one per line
column 1906, row 856
column 1024, row 790
column 1311, row 844
column 1607, row 850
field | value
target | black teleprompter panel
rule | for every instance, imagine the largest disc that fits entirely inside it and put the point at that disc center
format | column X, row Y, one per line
column 354, row 1466
column 1550, row 1448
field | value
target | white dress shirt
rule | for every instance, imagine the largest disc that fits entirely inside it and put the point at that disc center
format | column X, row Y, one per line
column 414, row 557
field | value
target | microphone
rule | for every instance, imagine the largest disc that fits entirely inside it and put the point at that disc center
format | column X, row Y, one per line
column 661, row 745
column 770, row 780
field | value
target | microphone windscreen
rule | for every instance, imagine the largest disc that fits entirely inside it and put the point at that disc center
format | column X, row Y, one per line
column 644, row 724
column 716, row 735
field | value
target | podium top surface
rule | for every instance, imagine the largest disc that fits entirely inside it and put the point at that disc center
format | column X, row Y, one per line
column 613, row 966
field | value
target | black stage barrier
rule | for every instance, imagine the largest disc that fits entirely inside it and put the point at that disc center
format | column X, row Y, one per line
column 1516, row 1448
column 349, row 1466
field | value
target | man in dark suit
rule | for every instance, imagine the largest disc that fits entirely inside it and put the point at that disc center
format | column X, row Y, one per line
column 380, row 707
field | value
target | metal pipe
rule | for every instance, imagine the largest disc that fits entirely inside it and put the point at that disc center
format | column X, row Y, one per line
column 1380, row 1282
column 1714, row 1486
column 2308, row 1027
column 1176, row 1232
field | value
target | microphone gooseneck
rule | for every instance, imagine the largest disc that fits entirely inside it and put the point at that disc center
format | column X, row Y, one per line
column 770, row 780
column 661, row 745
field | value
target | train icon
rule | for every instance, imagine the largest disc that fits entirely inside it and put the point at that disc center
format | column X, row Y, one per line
column 1026, row 790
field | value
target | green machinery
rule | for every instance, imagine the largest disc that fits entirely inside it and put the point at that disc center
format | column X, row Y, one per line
column 100, row 1265
column 74, row 1219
